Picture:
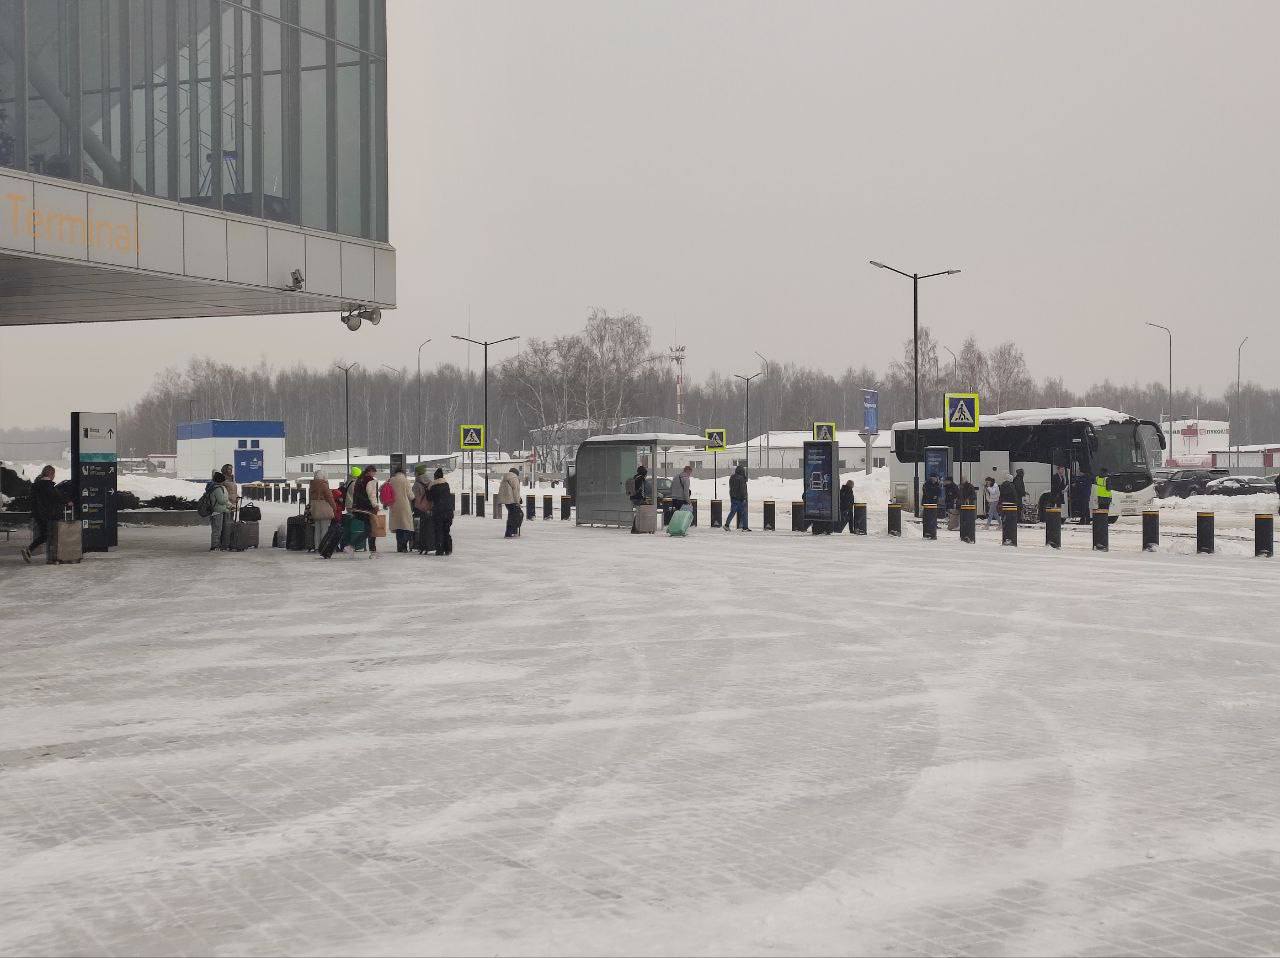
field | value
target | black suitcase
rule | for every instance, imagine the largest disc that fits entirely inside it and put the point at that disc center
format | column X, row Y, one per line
column 244, row 535
column 425, row 534
column 329, row 543
column 295, row 539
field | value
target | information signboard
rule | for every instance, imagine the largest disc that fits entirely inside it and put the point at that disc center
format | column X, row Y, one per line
column 871, row 411
column 821, row 481
column 93, row 475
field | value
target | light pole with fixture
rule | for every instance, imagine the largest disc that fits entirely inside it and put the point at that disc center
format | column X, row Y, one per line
column 418, row 457
column 915, row 362
column 746, row 416
column 346, row 377
column 486, row 345
column 1239, row 351
column 768, row 419
column 400, row 408
column 1169, row 332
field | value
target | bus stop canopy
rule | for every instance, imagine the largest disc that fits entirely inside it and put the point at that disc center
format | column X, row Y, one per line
column 605, row 463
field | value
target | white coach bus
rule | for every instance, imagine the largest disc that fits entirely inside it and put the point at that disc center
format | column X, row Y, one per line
column 1081, row 439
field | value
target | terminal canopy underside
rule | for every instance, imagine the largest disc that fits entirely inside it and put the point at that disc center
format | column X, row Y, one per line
column 36, row 291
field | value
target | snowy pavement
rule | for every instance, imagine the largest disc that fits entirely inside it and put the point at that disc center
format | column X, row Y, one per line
column 589, row 742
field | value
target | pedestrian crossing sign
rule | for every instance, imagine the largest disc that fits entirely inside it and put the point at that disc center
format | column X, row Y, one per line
column 470, row 437
column 824, row 432
column 961, row 412
column 717, row 440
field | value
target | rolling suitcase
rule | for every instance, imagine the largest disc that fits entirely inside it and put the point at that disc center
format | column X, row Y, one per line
column 681, row 519
column 646, row 519
column 65, row 544
column 329, row 543
column 244, row 534
column 354, row 532
column 296, row 534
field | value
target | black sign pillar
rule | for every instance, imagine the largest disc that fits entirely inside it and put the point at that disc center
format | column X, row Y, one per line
column 93, row 477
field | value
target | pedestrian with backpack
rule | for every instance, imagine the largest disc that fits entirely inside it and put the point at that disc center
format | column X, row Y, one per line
column 219, row 509
column 636, row 492
column 738, row 499
column 365, row 506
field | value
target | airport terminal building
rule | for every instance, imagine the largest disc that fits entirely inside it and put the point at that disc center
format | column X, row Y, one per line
column 175, row 158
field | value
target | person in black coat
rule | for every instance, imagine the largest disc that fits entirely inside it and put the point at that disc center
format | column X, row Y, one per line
column 846, row 506
column 442, row 513
column 932, row 490
column 46, row 507
column 738, row 499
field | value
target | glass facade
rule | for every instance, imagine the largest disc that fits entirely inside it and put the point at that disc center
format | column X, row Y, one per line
column 268, row 108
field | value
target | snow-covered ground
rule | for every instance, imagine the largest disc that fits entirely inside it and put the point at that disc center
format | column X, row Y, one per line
column 588, row 742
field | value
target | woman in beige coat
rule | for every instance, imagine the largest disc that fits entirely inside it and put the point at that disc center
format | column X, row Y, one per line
column 323, row 508
column 401, row 519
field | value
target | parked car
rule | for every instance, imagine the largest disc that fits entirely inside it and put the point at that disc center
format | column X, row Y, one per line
column 1187, row 482
column 1240, row 486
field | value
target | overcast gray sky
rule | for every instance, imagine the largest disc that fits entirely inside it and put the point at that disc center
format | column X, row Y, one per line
column 730, row 167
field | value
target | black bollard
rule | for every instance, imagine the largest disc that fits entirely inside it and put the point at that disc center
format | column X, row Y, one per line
column 1009, row 525
column 1053, row 527
column 466, row 504
column 1150, row 530
column 531, row 506
column 547, row 507
column 859, row 518
column 1101, row 530
column 1264, row 534
column 566, row 506
column 693, row 507
column 1204, row 533
column 930, row 520
column 797, row 517
column 895, row 519
column 480, row 505
column 770, row 515
column 717, row 513
column 499, row 512
column 968, row 522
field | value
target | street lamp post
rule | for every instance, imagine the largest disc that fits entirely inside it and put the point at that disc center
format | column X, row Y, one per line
column 1239, row 351
column 746, row 416
column 768, row 419
column 421, row 416
column 486, row 345
column 915, row 363
column 399, row 408
column 955, row 367
column 346, row 377
column 1169, row 332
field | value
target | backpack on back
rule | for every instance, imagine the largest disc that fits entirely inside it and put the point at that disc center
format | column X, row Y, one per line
column 204, row 506
column 387, row 494
column 631, row 487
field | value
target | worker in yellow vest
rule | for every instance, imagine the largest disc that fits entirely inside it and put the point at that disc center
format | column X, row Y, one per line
column 1102, row 489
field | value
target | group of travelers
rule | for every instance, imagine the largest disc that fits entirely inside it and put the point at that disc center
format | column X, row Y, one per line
column 222, row 496
column 639, row 489
column 419, row 513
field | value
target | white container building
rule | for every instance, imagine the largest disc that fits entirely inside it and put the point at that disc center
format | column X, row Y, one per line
column 255, row 447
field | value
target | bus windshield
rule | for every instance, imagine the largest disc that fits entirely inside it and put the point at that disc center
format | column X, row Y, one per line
column 1127, row 447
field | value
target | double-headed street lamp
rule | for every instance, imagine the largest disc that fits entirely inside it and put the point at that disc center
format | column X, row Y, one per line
column 346, row 377
column 915, row 349
column 418, row 456
column 1239, row 352
column 486, row 345
column 746, row 415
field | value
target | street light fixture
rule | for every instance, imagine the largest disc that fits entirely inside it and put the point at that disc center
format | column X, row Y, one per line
column 955, row 366
column 1239, row 351
column 346, row 376
column 1170, row 333
column 768, row 419
column 486, row 345
column 915, row 349
column 418, row 457
column 746, row 416
column 400, row 408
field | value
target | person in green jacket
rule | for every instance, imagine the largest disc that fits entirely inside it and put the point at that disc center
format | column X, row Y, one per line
column 1102, row 488
column 219, row 520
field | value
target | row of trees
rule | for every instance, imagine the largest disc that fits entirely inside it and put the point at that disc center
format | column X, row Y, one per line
column 610, row 370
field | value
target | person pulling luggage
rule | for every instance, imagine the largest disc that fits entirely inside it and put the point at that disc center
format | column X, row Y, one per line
column 442, row 513
column 509, row 496
column 323, row 508
column 365, row 506
column 682, row 489
column 46, row 507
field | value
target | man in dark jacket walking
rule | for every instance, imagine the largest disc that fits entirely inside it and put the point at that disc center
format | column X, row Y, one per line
column 46, row 507
column 846, row 506
column 738, row 499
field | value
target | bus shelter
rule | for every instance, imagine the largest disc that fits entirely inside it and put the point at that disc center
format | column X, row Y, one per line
column 605, row 463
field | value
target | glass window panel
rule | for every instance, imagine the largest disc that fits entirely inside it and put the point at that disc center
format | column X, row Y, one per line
column 202, row 135
column 159, row 119
column 348, row 30
column 9, row 78
column 314, row 133
column 53, row 106
column 95, row 85
column 275, row 206
column 347, row 142
column 312, row 15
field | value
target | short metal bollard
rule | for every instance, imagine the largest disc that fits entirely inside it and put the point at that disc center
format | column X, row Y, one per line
column 480, row 505
column 531, row 506
column 859, row 518
column 1264, row 534
column 693, row 507
column 566, row 507
column 1150, row 530
column 929, row 521
column 1101, row 530
column 466, row 503
column 548, row 508
column 498, row 511
column 1053, row 527
column 797, row 517
column 1009, row 525
column 968, row 522
column 717, row 513
column 1204, row 533
column 770, row 515
column 895, row 519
